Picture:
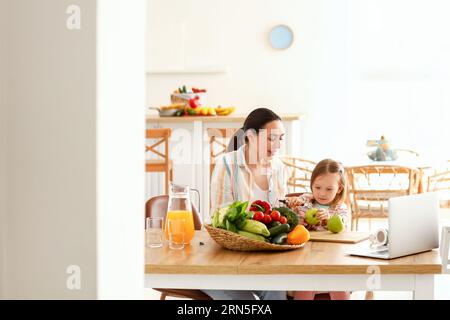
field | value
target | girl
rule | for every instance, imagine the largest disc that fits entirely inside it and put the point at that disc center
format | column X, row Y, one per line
column 328, row 185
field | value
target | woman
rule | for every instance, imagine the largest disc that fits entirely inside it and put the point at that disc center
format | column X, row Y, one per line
column 250, row 171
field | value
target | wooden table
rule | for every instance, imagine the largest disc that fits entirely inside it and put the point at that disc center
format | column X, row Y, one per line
column 318, row 266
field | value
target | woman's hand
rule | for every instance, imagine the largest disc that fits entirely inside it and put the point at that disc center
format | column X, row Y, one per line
column 294, row 202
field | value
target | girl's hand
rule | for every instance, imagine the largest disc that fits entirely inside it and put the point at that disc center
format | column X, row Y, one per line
column 322, row 216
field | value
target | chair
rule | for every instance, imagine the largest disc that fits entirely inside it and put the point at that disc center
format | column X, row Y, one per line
column 370, row 188
column 160, row 165
column 301, row 170
column 218, row 143
column 157, row 207
column 445, row 243
column 440, row 181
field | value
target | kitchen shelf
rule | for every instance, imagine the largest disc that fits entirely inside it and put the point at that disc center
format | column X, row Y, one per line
column 211, row 70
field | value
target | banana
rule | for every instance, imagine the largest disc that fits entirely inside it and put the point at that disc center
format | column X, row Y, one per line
column 225, row 111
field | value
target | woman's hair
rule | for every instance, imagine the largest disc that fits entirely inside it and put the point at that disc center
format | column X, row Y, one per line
column 256, row 121
column 331, row 166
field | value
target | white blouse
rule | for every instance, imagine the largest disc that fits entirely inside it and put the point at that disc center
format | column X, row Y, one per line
column 258, row 194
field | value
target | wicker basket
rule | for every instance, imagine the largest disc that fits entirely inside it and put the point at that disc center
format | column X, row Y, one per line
column 234, row 241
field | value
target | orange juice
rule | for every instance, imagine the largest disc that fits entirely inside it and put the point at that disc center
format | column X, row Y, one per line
column 189, row 223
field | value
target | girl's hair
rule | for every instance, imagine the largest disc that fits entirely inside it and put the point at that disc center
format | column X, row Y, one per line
column 256, row 120
column 331, row 166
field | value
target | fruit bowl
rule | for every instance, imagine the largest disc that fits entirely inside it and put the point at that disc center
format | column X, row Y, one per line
column 234, row 241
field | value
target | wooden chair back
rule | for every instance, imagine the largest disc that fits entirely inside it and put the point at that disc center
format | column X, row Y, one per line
column 218, row 143
column 300, row 173
column 440, row 181
column 370, row 187
column 158, row 161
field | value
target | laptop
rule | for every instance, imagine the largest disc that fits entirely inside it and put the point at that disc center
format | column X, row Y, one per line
column 413, row 227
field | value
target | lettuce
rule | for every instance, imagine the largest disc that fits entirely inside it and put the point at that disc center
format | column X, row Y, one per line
column 228, row 217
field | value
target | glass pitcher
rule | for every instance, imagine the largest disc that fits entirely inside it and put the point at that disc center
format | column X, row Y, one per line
column 178, row 208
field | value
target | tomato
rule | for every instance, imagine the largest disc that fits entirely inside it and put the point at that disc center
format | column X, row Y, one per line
column 258, row 216
column 267, row 219
column 283, row 220
column 194, row 102
column 275, row 215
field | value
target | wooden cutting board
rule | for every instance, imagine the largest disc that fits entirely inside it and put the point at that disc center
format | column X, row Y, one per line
column 343, row 237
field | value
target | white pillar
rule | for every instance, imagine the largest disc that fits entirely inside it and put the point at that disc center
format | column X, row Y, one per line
column 3, row 131
column 75, row 125
column 120, row 148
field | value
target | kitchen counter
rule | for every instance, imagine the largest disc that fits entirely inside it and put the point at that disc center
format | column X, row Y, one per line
column 230, row 118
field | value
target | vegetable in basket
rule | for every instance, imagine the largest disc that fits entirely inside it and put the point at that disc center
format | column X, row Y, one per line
column 291, row 216
column 235, row 217
column 230, row 216
column 252, row 236
column 254, row 226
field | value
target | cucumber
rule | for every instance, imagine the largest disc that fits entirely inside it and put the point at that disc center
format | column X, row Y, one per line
column 280, row 239
column 274, row 224
column 282, row 228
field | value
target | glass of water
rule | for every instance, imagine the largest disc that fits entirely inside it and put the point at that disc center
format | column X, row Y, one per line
column 154, row 232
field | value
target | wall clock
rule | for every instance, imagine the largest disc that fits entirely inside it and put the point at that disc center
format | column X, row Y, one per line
column 281, row 37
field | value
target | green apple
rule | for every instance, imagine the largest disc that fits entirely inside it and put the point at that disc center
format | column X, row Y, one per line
column 310, row 216
column 335, row 224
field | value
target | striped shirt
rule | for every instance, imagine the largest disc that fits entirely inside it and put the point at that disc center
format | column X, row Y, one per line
column 232, row 180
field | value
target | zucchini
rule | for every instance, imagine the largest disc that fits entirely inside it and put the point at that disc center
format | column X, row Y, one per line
column 282, row 228
column 254, row 226
column 280, row 239
column 251, row 235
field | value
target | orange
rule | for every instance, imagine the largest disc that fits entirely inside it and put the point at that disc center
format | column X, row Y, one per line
column 298, row 236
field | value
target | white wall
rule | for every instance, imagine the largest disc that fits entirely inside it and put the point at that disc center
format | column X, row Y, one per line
column 354, row 68
column 52, row 151
column 120, row 152
column 3, row 131
column 308, row 77
column 75, row 157
column 400, row 73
